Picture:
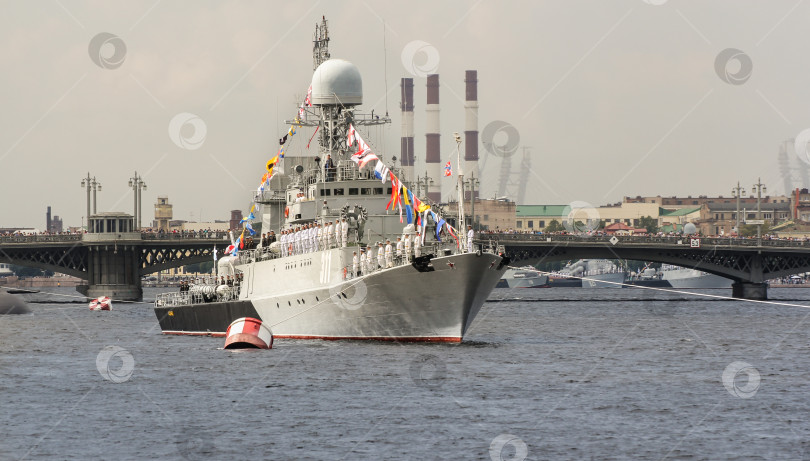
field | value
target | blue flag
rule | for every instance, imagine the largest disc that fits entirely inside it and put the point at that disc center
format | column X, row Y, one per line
column 439, row 228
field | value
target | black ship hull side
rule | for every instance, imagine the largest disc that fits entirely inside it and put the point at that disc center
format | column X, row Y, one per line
column 203, row 319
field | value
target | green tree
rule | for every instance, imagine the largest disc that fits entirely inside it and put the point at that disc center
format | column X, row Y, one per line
column 649, row 223
column 554, row 226
column 750, row 230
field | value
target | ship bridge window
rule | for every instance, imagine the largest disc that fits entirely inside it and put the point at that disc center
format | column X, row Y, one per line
column 326, row 192
column 364, row 191
column 339, row 191
column 378, row 191
column 353, row 191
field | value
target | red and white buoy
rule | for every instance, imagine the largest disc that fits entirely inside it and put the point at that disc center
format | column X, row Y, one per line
column 248, row 332
column 102, row 303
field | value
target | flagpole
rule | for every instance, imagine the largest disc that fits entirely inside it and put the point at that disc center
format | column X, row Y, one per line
column 460, row 187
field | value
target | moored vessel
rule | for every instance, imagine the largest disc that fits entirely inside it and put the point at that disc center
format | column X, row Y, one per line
column 345, row 250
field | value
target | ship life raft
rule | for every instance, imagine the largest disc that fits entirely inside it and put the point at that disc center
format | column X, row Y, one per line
column 247, row 333
column 102, row 303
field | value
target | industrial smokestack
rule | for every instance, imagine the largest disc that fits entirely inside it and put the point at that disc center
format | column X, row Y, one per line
column 471, row 127
column 406, row 144
column 433, row 157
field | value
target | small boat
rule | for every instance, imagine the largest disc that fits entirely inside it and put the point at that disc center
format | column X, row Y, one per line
column 102, row 303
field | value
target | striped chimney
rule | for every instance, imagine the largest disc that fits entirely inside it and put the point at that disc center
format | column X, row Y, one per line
column 406, row 143
column 471, row 127
column 433, row 157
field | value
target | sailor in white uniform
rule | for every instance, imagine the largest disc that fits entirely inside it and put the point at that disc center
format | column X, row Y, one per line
column 344, row 232
column 417, row 245
column 327, row 234
column 399, row 247
column 380, row 256
column 389, row 255
column 319, row 237
column 470, row 236
column 354, row 264
column 362, row 261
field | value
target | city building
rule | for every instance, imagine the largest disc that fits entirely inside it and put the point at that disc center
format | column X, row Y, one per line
column 620, row 228
column 163, row 214
column 721, row 218
column 52, row 224
column 537, row 217
column 236, row 216
column 489, row 214
column 675, row 202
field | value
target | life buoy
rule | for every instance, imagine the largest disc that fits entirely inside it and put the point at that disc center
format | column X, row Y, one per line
column 286, row 212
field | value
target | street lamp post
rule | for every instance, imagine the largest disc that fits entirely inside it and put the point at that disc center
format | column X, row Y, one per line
column 87, row 183
column 760, row 188
column 738, row 192
column 422, row 184
column 96, row 187
column 137, row 185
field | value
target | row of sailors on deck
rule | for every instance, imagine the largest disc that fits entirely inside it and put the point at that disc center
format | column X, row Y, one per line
column 314, row 237
column 387, row 256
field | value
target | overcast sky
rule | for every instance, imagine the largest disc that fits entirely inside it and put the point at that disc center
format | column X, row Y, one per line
column 612, row 98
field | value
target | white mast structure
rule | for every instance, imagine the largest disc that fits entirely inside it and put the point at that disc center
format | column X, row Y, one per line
column 460, row 187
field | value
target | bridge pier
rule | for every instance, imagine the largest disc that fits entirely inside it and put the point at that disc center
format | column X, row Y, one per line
column 114, row 271
column 749, row 290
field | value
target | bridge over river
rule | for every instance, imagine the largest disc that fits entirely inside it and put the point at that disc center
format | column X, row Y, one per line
column 112, row 263
column 748, row 262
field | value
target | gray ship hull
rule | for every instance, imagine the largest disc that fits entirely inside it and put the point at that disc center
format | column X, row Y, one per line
column 310, row 296
column 400, row 304
column 603, row 280
column 692, row 278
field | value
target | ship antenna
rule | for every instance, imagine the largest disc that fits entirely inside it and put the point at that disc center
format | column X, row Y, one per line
column 385, row 70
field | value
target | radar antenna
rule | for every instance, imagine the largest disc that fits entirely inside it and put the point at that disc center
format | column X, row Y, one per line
column 320, row 47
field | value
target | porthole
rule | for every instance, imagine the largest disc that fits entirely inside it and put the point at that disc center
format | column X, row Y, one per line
column 316, row 299
column 289, row 303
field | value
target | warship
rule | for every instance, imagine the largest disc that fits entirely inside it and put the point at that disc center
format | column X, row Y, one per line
column 327, row 271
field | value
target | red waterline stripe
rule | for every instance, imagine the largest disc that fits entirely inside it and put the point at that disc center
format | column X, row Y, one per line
column 429, row 339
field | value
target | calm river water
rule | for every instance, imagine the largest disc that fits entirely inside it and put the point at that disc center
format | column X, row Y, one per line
column 544, row 374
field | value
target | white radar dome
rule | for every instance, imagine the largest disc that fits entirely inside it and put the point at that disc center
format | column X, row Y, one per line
column 337, row 82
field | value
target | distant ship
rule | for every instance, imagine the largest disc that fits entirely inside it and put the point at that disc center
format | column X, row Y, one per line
column 682, row 277
column 588, row 273
column 601, row 273
column 524, row 277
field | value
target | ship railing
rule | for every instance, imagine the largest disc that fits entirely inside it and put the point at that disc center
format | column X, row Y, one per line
column 437, row 249
column 190, row 297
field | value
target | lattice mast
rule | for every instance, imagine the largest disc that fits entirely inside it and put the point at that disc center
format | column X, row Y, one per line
column 320, row 44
